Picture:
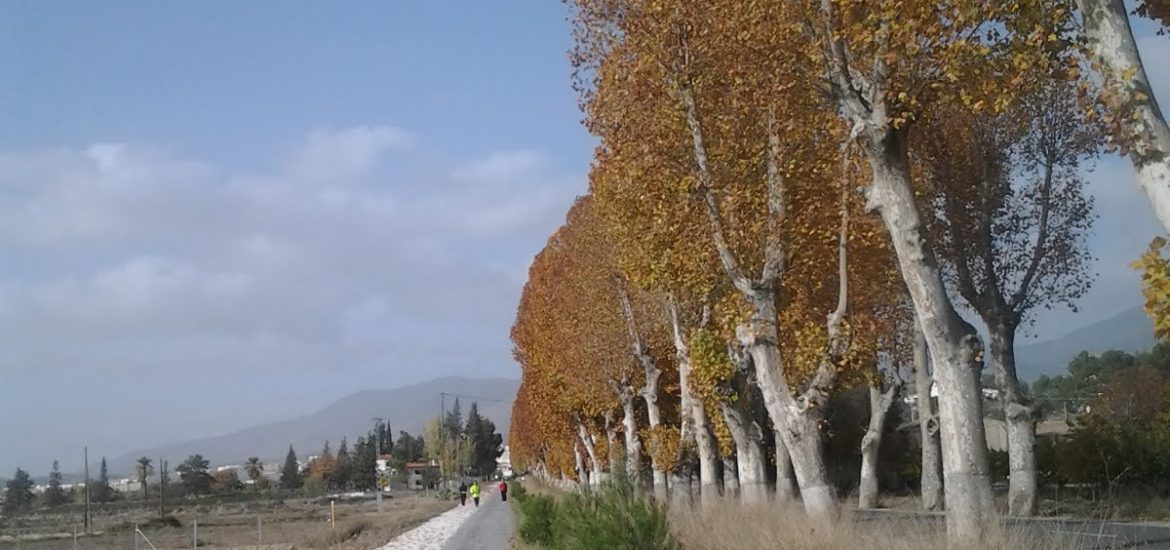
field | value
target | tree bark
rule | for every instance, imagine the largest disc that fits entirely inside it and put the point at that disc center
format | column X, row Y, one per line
column 799, row 420
column 633, row 440
column 953, row 343
column 797, row 425
column 650, row 396
column 785, row 484
column 708, row 457
column 1021, row 427
column 680, row 479
column 594, row 463
column 879, row 405
column 649, row 391
column 931, row 481
column 730, row 477
column 696, row 426
column 582, row 475
column 611, row 438
column 1111, row 41
column 749, row 453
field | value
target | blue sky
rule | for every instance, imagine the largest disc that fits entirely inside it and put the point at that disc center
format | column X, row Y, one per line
column 215, row 214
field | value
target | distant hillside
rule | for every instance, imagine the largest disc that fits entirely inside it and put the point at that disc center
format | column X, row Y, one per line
column 406, row 408
column 1129, row 331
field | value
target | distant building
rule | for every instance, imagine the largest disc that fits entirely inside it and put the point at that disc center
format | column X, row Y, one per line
column 417, row 473
column 127, row 485
column 996, row 431
column 504, row 463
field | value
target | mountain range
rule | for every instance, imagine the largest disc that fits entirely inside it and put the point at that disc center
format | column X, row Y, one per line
column 405, row 408
column 409, row 407
column 1130, row 331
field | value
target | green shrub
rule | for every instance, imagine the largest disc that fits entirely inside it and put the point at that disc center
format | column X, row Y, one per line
column 616, row 516
column 517, row 491
column 537, row 513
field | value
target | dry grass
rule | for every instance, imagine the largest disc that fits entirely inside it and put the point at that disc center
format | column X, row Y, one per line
column 293, row 523
column 771, row 527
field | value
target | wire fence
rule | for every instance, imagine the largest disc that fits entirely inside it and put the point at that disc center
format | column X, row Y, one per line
column 271, row 524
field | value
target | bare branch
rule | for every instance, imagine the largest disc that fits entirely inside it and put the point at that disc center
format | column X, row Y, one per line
column 777, row 209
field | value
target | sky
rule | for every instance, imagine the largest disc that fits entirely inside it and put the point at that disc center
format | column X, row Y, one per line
column 217, row 214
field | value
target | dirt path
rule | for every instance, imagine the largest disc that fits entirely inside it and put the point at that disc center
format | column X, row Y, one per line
column 489, row 528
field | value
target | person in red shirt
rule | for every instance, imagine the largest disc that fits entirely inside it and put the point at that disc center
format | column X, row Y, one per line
column 503, row 490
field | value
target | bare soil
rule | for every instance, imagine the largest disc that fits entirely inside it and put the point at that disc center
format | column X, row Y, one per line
column 261, row 523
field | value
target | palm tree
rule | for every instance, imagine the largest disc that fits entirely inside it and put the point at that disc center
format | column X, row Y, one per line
column 255, row 469
column 143, row 469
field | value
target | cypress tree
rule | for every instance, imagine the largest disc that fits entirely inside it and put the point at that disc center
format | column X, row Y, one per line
column 290, row 474
column 101, row 491
column 55, row 494
column 343, row 470
column 18, row 495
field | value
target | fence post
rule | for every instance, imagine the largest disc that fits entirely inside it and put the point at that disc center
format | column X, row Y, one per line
column 135, row 535
column 332, row 516
column 195, row 534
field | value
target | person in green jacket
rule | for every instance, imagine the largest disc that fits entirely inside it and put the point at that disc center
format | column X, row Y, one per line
column 474, row 490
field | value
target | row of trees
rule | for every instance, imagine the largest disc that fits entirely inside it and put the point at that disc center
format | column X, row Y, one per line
column 347, row 469
column 466, row 447
column 723, row 270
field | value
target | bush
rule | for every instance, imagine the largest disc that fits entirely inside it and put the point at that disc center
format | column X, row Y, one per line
column 616, row 516
column 517, row 491
column 536, row 519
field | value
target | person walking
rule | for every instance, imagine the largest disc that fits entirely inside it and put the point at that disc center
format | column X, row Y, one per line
column 463, row 493
column 503, row 490
column 475, row 492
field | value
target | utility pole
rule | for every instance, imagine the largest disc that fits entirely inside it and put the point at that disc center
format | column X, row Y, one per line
column 162, row 488
column 378, row 454
column 86, row 451
column 442, row 430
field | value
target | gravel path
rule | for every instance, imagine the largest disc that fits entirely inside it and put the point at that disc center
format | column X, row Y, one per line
column 488, row 527
column 432, row 534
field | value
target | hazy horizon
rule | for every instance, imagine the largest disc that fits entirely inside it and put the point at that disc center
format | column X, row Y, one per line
column 216, row 215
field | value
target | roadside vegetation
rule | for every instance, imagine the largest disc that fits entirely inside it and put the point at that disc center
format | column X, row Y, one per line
column 796, row 212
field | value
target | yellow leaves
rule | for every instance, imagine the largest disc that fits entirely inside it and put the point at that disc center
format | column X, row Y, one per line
column 1155, row 269
column 663, row 444
column 711, row 368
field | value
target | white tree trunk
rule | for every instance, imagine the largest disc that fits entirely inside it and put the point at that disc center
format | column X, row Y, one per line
column 611, row 437
column 594, row 463
column 582, row 475
column 785, row 484
column 797, row 425
column 680, row 479
column 649, row 391
column 1111, row 41
column 931, row 481
column 730, row 477
column 749, row 454
column 654, row 415
column 633, row 440
column 871, row 442
column 708, row 457
column 954, row 344
column 1021, row 427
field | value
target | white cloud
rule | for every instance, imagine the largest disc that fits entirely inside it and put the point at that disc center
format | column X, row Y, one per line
column 502, row 167
column 340, row 156
column 126, row 255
